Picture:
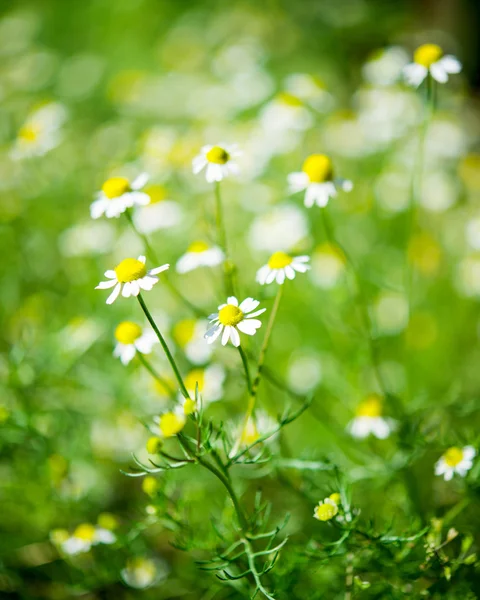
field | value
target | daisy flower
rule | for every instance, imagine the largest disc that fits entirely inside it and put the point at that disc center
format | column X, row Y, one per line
column 40, row 133
column 172, row 422
column 199, row 254
column 218, row 161
column 118, row 194
column 132, row 339
column 455, row 460
column 326, row 510
column 85, row 536
column 141, row 572
column 132, row 274
column 232, row 318
column 281, row 265
column 369, row 420
column 316, row 178
column 189, row 335
column 256, row 427
column 429, row 58
column 210, row 383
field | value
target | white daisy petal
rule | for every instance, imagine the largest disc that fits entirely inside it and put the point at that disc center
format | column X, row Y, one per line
column 140, row 181
column 255, row 314
column 226, row 335
column 110, row 274
column 158, row 270
column 249, row 326
column 415, row 74
column 451, row 64
column 126, row 289
column 234, row 337
column 127, row 353
column 297, row 181
column 280, row 276
column 438, row 72
column 469, row 452
column 105, row 285
column 113, row 296
column 271, row 276
column 232, row 300
column 262, row 274
column 142, row 259
column 248, row 305
column 290, row 271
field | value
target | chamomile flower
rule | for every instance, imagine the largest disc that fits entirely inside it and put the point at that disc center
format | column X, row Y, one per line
column 141, row 572
column 326, row 510
column 281, row 265
column 256, row 427
column 455, row 460
column 85, row 536
column 232, row 318
column 218, row 162
column 430, row 59
column 40, row 133
column 118, row 194
column 316, row 178
column 172, row 422
column 189, row 335
column 209, row 381
column 131, row 275
column 199, row 254
column 132, row 339
column 369, row 420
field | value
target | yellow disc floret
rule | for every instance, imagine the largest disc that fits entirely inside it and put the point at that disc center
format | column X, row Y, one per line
column 370, row 407
column 107, row 521
column 150, row 485
column 279, row 260
column 217, row 155
column 318, row 167
column 196, row 376
column 115, row 187
column 189, row 406
column 198, row 247
column 156, row 192
column 130, row 269
column 230, row 315
column 127, row 332
column 171, row 423
column 29, row 133
column 453, row 456
column 85, row 532
column 335, row 497
column 427, row 54
column 325, row 511
column 183, row 331
column 153, row 445
column 249, row 433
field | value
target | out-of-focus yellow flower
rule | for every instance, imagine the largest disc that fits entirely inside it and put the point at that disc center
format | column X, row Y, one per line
column 150, row 486
column 335, row 497
column 171, row 423
column 153, row 445
column 107, row 521
column 326, row 510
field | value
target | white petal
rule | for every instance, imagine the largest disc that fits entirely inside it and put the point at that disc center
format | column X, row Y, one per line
column 262, row 274
column 146, row 342
column 448, row 474
column 344, row 184
column 105, row 285
column 280, row 276
column 256, row 313
column 380, row 428
column 135, row 287
column 198, row 163
column 438, row 72
column 114, row 295
column 289, row 271
column 232, row 300
column 469, row 452
column 451, row 64
column 110, row 274
column 127, row 353
column 248, row 305
column 142, row 259
column 226, row 335
column 158, row 270
column 97, row 208
column 126, row 292
column 300, row 268
column 249, row 326
column 213, row 173
column 297, row 181
column 415, row 74
column 440, row 467
column 271, row 276
column 140, row 181
column 234, row 336
column 139, row 199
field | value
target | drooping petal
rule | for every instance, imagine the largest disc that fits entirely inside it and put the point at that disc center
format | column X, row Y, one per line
column 226, row 335
column 126, row 292
column 140, row 181
column 147, row 282
column 297, row 181
column 98, row 207
column 198, row 163
column 212, row 334
column 256, row 313
column 158, row 270
column 380, row 428
column 139, row 198
column 289, row 271
column 235, row 337
column 249, row 326
column 414, row 74
column 105, row 285
column 114, row 295
column 271, row 276
column 280, row 276
column 135, row 287
column 451, row 64
column 438, row 72
column 248, row 305
column 262, row 274
column 127, row 353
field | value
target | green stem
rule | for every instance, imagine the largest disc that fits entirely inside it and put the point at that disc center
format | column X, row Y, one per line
column 156, row 376
column 243, row 356
column 161, row 339
column 222, row 240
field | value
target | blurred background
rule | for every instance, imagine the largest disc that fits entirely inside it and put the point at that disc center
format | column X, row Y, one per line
column 140, row 85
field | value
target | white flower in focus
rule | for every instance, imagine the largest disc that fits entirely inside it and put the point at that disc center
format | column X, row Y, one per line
column 210, row 383
column 429, row 58
column 189, row 335
column 40, row 133
column 132, row 339
column 455, row 460
column 281, row 265
column 217, row 161
column 118, row 194
column 326, row 510
column 316, row 178
column 132, row 275
column 232, row 318
column 369, row 420
column 85, row 536
column 199, row 254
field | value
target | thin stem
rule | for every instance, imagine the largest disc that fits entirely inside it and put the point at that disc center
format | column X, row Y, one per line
column 222, row 240
column 156, row 375
column 166, row 349
column 245, row 368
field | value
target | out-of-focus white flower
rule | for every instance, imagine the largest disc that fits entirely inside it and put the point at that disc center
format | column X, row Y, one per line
column 132, row 339
column 40, row 133
column 199, row 254
column 232, row 318
column 391, row 313
column 141, row 572
column 281, row 229
column 256, row 427
column 304, row 371
column 439, row 191
column 283, row 114
column 316, row 178
column 218, row 161
column 118, row 194
column 160, row 213
column 280, row 266
column 468, row 276
column 384, row 67
column 455, row 460
column 310, row 90
column 369, row 420
column 132, row 274
column 210, row 383
column 85, row 536
column 83, row 239
column 172, row 422
column 472, row 233
column 429, row 58
column 189, row 335
column 328, row 266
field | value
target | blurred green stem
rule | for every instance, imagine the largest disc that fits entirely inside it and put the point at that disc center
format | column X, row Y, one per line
column 222, row 241
column 166, row 349
column 246, row 369
column 155, row 375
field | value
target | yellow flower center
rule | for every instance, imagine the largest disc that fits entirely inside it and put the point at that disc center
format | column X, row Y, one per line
column 85, row 532
column 453, row 456
column 130, row 269
column 325, row 512
column 289, row 99
column 153, row 445
column 318, row 167
column 230, row 315
column 198, row 247
column 127, row 332
column 279, row 260
column 156, row 192
column 195, row 376
column 170, row 424
column 183, row 331
column 150, row 485
column 29, row 133
column 335, row 497
column 427, row 54
column 249, row 434
column 371, row 407
column 218, row 155
column 115, row 187
column 107, row 521
column 189, row 406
